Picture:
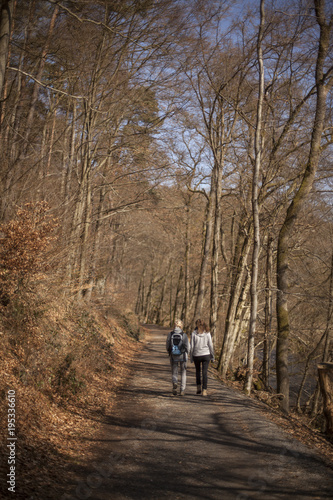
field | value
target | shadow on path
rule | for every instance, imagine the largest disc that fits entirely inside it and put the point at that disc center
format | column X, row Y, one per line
column 155, row 445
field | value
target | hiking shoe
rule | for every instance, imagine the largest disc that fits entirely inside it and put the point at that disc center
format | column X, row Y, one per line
column 204, row 392
column 198, row 389
column 182, row 393
column 174, row 390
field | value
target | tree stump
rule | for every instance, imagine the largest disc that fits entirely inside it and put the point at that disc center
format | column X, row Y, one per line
column 325, row 371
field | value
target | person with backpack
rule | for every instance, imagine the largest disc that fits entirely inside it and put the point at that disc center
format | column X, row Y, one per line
column 202, row 352
column 177, row 345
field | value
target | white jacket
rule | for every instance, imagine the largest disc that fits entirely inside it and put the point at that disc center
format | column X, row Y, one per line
column 201, row 345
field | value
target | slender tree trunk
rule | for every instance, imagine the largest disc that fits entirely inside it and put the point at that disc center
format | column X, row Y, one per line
column 160, row 303
column 187, row 267
column 328, row 333
column 268, row 313
column 216, row 249
column 148, row 298
column 96, row 237
column 328, row 339
column 179, row 287
column 295, row 207
column 255, row 206
column 69, row 163
column 11, row 9
column 239, row 265
column 48, row 166
column 306, row 370
column 325, row 371
column 85, row 230
column 141, row 293
column 206, row 253
column 5, row 30
column 39, row 75
column 243, row 311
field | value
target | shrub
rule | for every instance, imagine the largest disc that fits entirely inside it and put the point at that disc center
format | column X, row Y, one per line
column 23, row 245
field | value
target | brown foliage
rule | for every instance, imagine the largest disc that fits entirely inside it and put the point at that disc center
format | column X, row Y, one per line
column 23, row 246
column 64, row 382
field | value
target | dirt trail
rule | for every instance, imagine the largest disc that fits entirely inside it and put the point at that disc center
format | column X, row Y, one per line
column 155, row 445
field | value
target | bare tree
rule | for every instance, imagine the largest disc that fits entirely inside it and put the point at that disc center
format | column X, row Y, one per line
column 255, row 203
column 324, row 80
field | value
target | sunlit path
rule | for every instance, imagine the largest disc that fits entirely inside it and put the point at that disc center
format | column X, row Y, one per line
column 156, row 445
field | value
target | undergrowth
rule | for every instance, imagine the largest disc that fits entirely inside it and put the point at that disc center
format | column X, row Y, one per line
column 63, row 362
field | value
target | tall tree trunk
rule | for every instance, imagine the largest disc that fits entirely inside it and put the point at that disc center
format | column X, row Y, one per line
column 84, row 232
column 39, row 75
column 148, row 298
column 306, row 370
column 255, row 206
column 179, row 287
column 216, row 249
column 268, row 312
column 160, row 303
column 11, row 9
column 239, row 269
column 96, row 237
column 325, row 372
column 327, row 339
column 69, row 160
column 328, row 333
column 206, row 253
column 187, row 267
column 322, row 88
column 5, row 30
column 243, row 311
column 139, row 307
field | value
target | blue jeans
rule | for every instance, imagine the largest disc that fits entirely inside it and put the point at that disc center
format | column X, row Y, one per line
column 174, row 369
column 201, row 365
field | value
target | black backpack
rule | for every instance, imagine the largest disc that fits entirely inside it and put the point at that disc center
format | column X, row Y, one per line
column 176, row 345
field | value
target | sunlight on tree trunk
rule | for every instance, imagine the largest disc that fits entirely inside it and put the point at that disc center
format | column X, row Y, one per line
column 255, row 206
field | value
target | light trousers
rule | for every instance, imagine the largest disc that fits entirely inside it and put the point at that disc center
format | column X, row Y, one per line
column 174, row 370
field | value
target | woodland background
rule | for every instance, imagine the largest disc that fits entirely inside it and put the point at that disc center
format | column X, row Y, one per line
column 162, row 159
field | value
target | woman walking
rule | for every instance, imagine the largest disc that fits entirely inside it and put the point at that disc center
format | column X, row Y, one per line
column 202, row 352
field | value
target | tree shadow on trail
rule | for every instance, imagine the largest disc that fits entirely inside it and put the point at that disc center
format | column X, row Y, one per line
column 155, row 445
column 162, row 460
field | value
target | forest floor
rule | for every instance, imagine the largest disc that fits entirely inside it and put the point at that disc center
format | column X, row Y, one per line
column 153, row 445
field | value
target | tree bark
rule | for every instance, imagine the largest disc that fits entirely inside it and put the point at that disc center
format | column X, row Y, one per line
column 5, row 30
column 306, row 370
column 268, row 312
column 205, row 255
column 159, row 318
column 255, row 206
column 296, row 205
column 179, row 287
column 36, row 87
column 328, row 332
column 239, row 266
column 187, row 266
column 325, row 372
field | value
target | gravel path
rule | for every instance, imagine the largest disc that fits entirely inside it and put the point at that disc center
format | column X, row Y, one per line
column 157, row 446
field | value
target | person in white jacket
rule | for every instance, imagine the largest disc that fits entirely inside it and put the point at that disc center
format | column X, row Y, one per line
column 202, row 352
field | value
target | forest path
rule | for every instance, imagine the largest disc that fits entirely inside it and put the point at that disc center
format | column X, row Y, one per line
column 155, row 445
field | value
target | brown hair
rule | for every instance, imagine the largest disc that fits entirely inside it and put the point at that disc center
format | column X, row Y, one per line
column 201, row 326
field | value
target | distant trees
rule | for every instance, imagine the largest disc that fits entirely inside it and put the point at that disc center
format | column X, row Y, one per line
column 78, row 125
